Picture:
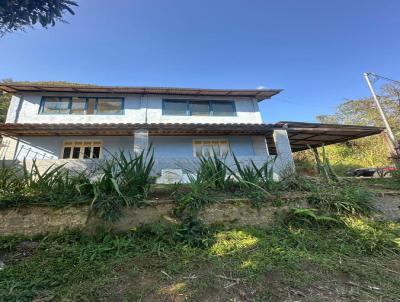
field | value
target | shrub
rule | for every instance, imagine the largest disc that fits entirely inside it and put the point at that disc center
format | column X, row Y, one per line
column 189, row 203
column 343, row 199
column 310, row 217
column 10, row 178
column 124, row 181
column 251, row 176
column 297, row 182
column 55, row 186
column 213, row 172
column 194, row 233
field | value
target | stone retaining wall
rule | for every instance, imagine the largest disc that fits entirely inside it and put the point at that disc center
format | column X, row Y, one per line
column 35, row 220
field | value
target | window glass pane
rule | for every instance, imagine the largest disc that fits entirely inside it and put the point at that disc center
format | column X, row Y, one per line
column 78, row 106
column 96, row 152
column 200, row 108
column 109, row 106
column 50, row 105
column 223, row 108
column 86, row 152
column 91, row 103
column 55, row 105
column 175, row 107
column 67, row 152
column 76, row 151
column 63, row 105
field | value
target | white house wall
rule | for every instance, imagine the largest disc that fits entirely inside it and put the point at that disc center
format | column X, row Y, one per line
column 247, row 112
column 29, row 113
column 138, row 109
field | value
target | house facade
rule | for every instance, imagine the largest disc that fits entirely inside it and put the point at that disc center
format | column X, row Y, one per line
column 87, row 123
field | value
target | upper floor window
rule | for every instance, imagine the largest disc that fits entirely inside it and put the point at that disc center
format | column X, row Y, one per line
column 199, row 108
column 82, row 105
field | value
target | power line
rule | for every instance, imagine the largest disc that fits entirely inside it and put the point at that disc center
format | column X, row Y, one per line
column 374, row 75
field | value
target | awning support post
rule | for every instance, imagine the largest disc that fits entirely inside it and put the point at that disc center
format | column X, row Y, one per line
column 141, row 140
column 284, row 151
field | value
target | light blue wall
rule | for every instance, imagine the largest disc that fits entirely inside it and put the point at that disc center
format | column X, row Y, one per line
column 164, row 146
column 36, row 147
column 182, row 146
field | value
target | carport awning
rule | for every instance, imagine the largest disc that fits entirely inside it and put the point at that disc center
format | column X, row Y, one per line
column 301, row 135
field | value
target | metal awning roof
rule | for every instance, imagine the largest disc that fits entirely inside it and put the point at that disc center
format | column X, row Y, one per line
column 259, row 94
column 301, row 135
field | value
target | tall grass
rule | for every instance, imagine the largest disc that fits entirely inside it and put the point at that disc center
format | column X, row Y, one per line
column 9, row 178
column 252, row 176
column 343, row 199
column 54, row 186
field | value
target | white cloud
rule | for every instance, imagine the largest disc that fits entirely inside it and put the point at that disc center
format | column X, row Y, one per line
column 261, row 87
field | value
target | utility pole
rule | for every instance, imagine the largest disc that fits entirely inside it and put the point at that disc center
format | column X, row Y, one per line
column 389, row 131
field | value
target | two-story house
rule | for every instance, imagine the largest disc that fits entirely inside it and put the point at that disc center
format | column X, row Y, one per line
column 75, row 122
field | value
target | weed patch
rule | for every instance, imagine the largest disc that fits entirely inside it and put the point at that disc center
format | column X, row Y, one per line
column 234, row 262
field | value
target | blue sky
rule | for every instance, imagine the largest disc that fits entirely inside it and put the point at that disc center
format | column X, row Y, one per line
column 315, row 50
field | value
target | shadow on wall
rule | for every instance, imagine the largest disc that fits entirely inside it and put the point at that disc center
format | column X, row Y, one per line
column 25, row 149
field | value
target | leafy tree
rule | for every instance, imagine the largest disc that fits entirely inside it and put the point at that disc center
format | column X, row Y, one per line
column 18, row 14
column 364, row 112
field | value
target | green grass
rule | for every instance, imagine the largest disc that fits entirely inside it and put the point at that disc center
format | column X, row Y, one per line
column 154, row 264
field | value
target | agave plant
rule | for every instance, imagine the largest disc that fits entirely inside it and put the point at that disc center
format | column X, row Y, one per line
column 55, row 185
column 213, row 171
column 253, row 176
column 124, row 180
column 10, row 178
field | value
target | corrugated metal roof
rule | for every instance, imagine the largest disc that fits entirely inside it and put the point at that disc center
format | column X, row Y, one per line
column 259, row 94
column 301, row 135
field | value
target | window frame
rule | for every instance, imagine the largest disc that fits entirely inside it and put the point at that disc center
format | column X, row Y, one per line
column 211, row 141
column 42, row 103
column 176, row 101
column 210, row 106
column 94, row 143
column 95, row 112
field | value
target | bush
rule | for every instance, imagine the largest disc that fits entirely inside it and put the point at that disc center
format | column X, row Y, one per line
column 56, row 186
column 213, row 172
column 124, row 181
column 310, row 217
column 251, row 176
column 342, row 199
column 188, row 204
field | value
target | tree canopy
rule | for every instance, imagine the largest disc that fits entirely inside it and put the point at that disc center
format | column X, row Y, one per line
column 19, row 14
column 364, row 111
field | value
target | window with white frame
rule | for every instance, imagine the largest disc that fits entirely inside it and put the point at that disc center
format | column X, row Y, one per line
column 81, row 149
column 210, row 147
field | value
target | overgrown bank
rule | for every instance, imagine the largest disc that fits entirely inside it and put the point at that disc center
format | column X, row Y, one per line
column 330, row 250
column 154, row 263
